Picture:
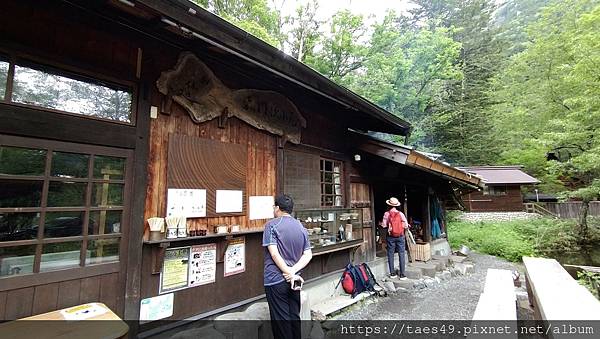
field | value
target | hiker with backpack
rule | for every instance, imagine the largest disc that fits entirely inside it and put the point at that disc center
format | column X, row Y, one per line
column 395, row 222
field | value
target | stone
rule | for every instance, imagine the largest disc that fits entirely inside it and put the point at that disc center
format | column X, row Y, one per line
column 439, row 265
column 445, row 259
column 430, row 282
column 316, row 331
column 230, row 325
column 413, row 272
column 206, row 332
column 427, row 269
column 408, row 283
column 444, row 275
column 401, row 290
column 316, row 315
column 420, row 284
column 258, row 311
column 389, row 287
column 464, row 269
column 457, row 259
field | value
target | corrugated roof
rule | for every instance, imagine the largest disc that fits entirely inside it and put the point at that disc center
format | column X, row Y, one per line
column 501, row 174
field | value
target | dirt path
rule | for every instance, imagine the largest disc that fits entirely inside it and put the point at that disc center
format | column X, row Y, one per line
column 454, row 299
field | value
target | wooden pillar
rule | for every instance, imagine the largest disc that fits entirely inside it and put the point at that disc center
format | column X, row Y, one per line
column 427, row 214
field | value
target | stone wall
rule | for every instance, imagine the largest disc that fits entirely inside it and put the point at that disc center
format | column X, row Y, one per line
column 497, row 216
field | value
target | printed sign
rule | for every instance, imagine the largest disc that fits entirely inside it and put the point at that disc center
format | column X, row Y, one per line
column 190, row 203
column 229, row 201
column 261, row 207
column 156, row 308
column 235, row 256
column 203, row 265
column 174, row 275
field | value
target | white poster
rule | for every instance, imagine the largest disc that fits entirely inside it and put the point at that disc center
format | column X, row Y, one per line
column 235, row 256
column 261, row 207
column 229, row 201
column 190, row 203
column 203, row 265
column 156, row 308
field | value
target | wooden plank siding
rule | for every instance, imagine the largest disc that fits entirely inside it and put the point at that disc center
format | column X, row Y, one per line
column 511, row 202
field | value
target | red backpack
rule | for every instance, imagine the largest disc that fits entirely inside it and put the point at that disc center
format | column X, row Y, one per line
column 396, row 225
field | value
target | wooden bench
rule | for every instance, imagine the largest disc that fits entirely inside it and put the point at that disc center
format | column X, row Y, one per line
column 555, row 295
column 498, row 300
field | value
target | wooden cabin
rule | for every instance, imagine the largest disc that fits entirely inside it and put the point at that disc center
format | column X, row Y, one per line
column 502, row 191
column 115, row 112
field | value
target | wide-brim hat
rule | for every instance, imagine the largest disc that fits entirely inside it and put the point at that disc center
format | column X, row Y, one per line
column 393, row 202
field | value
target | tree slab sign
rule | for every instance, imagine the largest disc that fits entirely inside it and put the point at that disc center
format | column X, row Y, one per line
column 196, row 88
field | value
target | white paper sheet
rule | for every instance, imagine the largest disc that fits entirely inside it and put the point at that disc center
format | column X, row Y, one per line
column 190, row 203
column 156, row 308
column 261, row 207
column 229, row 201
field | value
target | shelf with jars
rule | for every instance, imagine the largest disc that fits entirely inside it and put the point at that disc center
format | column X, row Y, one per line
column 331, row 227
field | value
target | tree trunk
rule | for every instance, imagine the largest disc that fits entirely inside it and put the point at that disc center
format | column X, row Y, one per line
column 583, row 226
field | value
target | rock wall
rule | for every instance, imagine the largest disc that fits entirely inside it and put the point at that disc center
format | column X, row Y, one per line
column 498, row 216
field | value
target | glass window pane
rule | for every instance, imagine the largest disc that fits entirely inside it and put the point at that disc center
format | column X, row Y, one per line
column 328, row 166
column 18, row 226
column 20, row 193
column 107, row 194
column 22, row 161
column 105, row 222
column 69, row 165
column 338, row 189
column 102, row 250
column 109, row 168
column 62, row 194
column 322, row 165
column 327, row 189
column 3, row 76
column 338, row 201
column 53, row 91
column 327, row 177
column 16, row 260
column 60, row 255
column 326, row 200
column 63, row 224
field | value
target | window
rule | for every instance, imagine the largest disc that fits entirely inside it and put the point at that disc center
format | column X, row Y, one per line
column 331, row 183
column 60, row 208
column 494, row 190
column 3, row 77
column 38, row 86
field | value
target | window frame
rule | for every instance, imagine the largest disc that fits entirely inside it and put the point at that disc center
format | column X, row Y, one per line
column 60, row 69
column 323, row 183
column 492, row 190
column 83, row 269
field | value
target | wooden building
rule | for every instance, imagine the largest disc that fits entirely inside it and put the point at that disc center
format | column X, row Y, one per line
column 114, row 112
column 501, row 191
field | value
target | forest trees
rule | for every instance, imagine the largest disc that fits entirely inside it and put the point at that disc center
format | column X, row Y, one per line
column 548, row 110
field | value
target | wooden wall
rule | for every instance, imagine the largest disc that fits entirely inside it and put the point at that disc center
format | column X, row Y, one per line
column 511, row 202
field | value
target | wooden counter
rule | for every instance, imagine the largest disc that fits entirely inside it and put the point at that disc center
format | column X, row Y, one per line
column 54, row 325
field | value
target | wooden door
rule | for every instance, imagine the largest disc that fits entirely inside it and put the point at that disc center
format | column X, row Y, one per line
column 361, row 197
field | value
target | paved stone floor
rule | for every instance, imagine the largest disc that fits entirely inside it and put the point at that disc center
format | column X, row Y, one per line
column 454, row 299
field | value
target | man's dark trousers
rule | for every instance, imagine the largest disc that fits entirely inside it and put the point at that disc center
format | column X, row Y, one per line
column 284, row 306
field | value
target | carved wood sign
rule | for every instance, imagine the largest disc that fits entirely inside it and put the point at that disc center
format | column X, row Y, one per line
column 195, row 87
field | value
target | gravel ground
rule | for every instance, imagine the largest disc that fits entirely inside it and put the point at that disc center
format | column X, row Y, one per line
column 454, row 299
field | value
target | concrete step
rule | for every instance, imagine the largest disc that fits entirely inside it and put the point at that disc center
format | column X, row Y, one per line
column 464, row 268
column 413, row 272
column 335, row 304
column 407, row 284
column 427, row 269
column 457, row 259
column 443, row 258
column 439, row 265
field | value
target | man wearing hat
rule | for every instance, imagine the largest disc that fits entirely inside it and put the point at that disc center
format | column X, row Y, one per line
column 395, row 243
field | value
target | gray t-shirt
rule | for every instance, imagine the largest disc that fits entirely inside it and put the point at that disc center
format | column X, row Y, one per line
column 291, row 239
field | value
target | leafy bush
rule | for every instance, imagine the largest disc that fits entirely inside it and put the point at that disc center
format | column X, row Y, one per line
column 591, row 281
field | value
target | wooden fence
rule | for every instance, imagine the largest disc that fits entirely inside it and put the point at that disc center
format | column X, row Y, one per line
column 568, row 210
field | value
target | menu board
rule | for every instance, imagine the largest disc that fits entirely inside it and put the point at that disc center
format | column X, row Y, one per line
column 261, row 207
column 174, row 275
column 235, row 256
column 190, row 203
column 156, row 308
column 229, row 201
column 203, row 265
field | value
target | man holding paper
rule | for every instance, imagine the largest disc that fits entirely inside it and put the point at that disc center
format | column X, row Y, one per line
column 287, row 251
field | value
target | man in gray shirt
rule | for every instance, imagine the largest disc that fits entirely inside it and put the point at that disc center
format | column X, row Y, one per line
column 287, row 251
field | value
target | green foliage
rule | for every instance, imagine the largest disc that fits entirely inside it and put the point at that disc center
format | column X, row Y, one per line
column 515, row 239
column 499, row 239
column 591, row 280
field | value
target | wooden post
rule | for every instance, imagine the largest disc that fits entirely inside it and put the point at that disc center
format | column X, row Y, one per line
column 427, row 235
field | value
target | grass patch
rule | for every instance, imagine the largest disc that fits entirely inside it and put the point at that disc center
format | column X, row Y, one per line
column 514, row 239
